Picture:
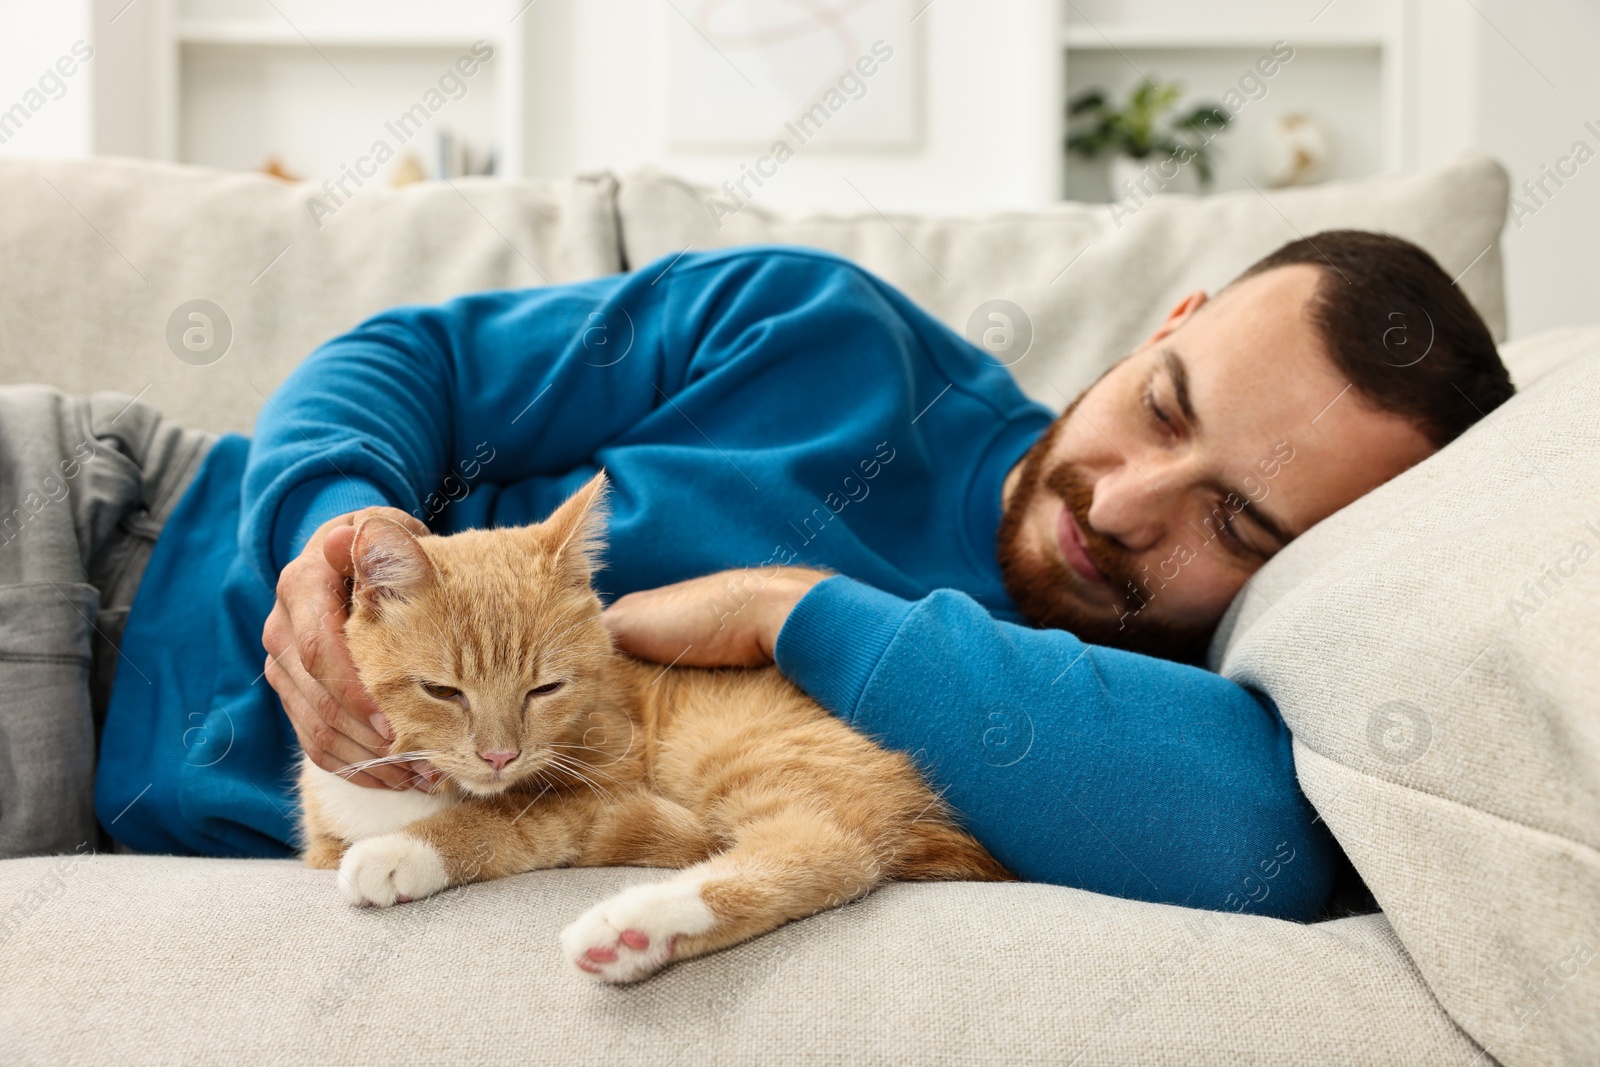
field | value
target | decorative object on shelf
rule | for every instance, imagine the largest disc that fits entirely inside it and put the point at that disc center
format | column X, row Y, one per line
column 1296, row 149
column 1146, row 147
column 408, row 171
column 455, row 158
column 274, row 168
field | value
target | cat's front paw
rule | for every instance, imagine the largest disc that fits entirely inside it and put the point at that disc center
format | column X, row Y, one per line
column 632, row 935
column 391, row 869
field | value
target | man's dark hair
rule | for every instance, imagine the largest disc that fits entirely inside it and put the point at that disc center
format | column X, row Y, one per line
column 1399, row 329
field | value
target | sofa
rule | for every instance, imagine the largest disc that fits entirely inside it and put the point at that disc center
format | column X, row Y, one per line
column 1432, row 646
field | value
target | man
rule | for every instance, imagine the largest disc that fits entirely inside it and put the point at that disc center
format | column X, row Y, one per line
column 894, row 512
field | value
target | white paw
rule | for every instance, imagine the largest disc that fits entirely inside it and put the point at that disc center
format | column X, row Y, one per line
column 391, row 869
column 631, row 936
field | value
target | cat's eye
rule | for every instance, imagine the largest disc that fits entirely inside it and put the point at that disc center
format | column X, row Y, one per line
column 546, row 689
column 441, row 692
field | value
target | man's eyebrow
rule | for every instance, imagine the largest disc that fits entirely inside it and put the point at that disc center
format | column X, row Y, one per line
column 1180, row 385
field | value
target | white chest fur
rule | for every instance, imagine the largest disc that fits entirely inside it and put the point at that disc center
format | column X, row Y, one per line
column 355, row 812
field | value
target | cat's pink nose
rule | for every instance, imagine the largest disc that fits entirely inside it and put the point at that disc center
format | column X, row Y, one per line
column 500, row 759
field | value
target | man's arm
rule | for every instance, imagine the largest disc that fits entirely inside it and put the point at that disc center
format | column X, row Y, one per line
column 494, row 389
column 1073, row 764
column 488, row 388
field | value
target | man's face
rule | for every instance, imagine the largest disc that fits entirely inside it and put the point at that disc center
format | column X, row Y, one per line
column 1138, row 515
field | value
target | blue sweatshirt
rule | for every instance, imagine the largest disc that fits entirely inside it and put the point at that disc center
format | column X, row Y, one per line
column 753, row 406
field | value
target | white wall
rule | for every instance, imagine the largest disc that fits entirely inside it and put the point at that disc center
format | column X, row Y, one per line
column 124, row 36
column 34, row 36
column 1538, row 83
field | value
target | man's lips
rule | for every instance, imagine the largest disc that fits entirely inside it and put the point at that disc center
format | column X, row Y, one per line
column 1072, row 544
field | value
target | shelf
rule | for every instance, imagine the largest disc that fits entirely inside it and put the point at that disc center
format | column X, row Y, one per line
column 283, row 34
column 1162, row 37
column 401, row 49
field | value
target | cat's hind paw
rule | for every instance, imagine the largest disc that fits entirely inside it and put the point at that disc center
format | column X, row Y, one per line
column 391, row 869
column 633, row 934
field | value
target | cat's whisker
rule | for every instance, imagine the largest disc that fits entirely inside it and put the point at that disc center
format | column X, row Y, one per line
column 577, row 748
column 410, row 781
column 611, row 759
column 569, row 766
column 597, row 789
column 351, row 769
column 592, row 769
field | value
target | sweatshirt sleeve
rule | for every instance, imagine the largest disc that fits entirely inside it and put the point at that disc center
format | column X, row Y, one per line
column 1072, row 763
column 541, row 379
column 382, row 414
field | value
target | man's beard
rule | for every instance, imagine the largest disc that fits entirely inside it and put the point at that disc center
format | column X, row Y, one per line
column 1040, row 587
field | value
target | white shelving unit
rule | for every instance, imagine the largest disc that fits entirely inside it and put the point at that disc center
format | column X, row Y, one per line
column 255, row 33
column 1090, row 38
column 351, row 63
column 1350, row 69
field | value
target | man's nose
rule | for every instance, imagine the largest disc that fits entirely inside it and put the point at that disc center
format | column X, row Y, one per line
column 1136, row 505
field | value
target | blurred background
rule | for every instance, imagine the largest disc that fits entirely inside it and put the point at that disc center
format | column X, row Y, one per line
column 947, row 106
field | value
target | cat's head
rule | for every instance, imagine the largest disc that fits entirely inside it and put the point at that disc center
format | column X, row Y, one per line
column 486, row 642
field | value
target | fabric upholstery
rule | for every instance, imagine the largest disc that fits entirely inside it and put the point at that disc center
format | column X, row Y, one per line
column 101, row 253
column 1435, row 650
column 173, row 960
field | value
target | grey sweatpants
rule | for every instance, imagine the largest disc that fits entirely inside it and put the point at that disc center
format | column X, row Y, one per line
column 86, row 484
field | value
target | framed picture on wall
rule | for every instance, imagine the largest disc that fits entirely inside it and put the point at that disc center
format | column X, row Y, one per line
column 752, row 73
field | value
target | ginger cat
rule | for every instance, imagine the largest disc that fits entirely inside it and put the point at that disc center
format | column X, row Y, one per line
column 487, row 653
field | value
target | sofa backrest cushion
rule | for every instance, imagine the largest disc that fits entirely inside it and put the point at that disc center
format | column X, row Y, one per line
column 104, row 256
column 1435, row 648
column 1091, row 281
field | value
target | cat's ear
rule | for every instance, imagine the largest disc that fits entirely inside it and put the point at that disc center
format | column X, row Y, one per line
column 388, row 562
column 577, row 529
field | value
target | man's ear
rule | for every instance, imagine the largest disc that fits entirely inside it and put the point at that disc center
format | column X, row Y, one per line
column 1178, row 316
column 577, row 530
column 388, row 561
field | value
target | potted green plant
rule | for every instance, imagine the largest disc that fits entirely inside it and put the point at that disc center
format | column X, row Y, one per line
column 1140, row 137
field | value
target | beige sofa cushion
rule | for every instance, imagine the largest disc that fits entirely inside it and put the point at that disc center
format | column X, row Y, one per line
column 101, row 253
column 1444, row 705
column 169, row 960
column 1091, row 286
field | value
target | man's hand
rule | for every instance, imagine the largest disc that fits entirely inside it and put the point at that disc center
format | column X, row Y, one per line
column 334, row 716
column 727, row 619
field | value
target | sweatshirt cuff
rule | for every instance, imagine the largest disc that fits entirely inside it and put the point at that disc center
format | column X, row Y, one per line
column 834, row 638
column 313, row 503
